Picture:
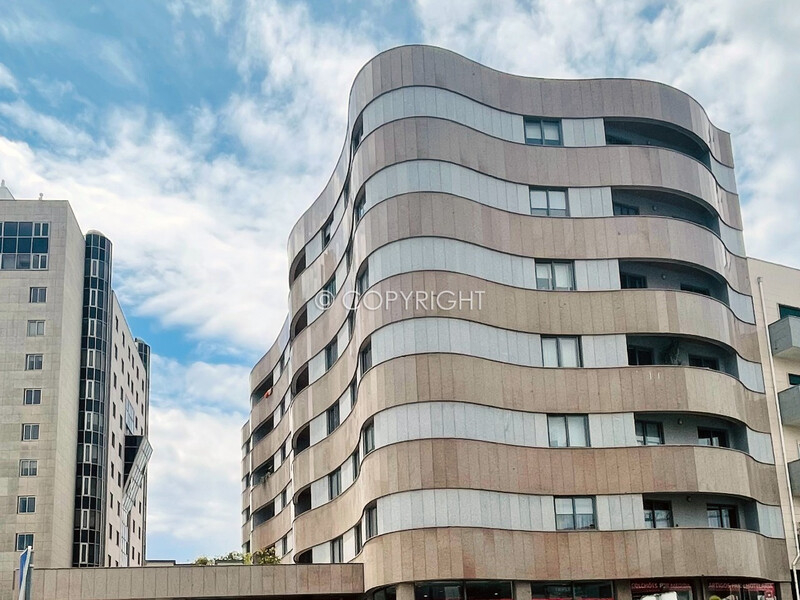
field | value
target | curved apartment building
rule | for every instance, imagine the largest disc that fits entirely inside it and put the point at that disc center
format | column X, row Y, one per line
column 521, row 357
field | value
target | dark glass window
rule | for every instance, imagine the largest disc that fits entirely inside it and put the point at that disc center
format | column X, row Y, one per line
column 723, row 516
column 26, row 504
column 629, row 281
column 657, row 514
column 366, row 358
column 542, row 132
column 548, row 203
column 360, row 207
column 788, row 311
column 334, row 484
column 794, row 379
column 326, row 232
column 303, row 440
column 623, row 210
column 712, row 437
column 369, row 437
column 38, row 295
column 568, row 591
column 371, row 521
column 439, row 591
column 23, row 541
column 489, row 590
column 362, row 283
column 568, row 430
column 32, row 397
column 24, row 245
column 688, row 287
column 704, row 362
column 333, row 417
column 575, row 513
column 299, row 266
column 640, row 356
column 30, row 431
column 28, row 468
column 337, row 550
column 649, row 433
column 358, row 538
column 331, row 354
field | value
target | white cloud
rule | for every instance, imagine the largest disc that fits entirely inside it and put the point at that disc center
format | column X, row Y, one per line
column 739, row 59
column 222, row 387
column 7, row 79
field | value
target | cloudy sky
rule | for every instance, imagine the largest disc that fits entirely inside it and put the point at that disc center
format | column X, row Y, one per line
column 193, row 133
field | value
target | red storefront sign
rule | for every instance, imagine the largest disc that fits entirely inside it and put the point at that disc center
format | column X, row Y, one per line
column 741, row 591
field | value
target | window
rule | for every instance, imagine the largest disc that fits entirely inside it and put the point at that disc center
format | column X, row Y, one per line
column 26, row 504
column 649, row 433
column 369, row 437
column 794, row 379
column 704, row 362
column 38, row 295
column 23, row 245
column 640, row 356
column 356, row 463
column 788, row 311
column 24, row 540
column 451, row 590
column 336, row 550
column 575, row 513
column 365, row 358
column 362, row 283
column 371, row 521
column 28, row 468
column 712, row 437
column 567, row 591
column 30, row 431
column 554, row 276
column 33, row 362
column 331, row 354
column 688, row 287
column 360, row 207
column 32, row 397
column 722, row 516
column 35, row 328
column 657, row 514
column 489, row 590
column 326, row 232
column 568, row 431
column 332, row 416
column 560, row 352
column 358, row 539
column 548, row 203
column 330, row 291
column 629, row 281
column 335, row 484
column 624, row 210
column 542, row 132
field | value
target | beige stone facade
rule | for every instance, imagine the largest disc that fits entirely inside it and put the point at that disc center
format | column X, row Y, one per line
column 614, row 366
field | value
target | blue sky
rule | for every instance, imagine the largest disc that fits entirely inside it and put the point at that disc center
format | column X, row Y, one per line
column 194, row 132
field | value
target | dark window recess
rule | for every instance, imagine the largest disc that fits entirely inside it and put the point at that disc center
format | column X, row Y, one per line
column 648, row 133
column 649, row 433
column 358, row 133
column 303, row 502
column 304, row 558
column 712, row 437
column 623, row 210
column 303, row 440
column 452, row 590
column 794, row 379
column 360, row 207
column 299, row 266
column 365, row 358
column 657, row 514
column 326, row 232
column 640, row 356
column 688, row 287
column 488, row 590
column 704, row 362
column 788, row 311
column 629, row 281
column 300, row 323
column 301, row 381
column 333, row 417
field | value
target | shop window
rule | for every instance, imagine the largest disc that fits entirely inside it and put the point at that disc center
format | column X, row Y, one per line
column 439, row 591
column 658, row 590
column 488, row 590
column 741, row 591
column 568, row 591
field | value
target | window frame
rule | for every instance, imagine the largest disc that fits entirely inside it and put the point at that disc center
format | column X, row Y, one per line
column 32, row 396
column 552, row 283
column 575, row 514
column 37, row 295
column 31, row 428
column 566, row 418
column 645, row 436
column 332, row 417
column 710, row 433
column 651, row 508
column 28, row 503
column 335, row 483
column 38, row 328
column 542, row 141
column 640, row 349
column 337, row 550
column 628, row 278
column 29, row 467
column 24, row 538
column 34, row 362
column 371, row 522
column 368, row 437
column 560, row 354
column 548, row 212
column 732, row 516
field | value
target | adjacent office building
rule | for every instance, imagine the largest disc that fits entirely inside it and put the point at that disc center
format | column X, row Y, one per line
column 74, row 385
column 522, row 357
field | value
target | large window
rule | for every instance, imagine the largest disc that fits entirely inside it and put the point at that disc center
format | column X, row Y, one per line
column 568, row 430
column 33, row 362
column 712, row 437
column 554, row 275
column 640, row 356
column 560, row 352
column 704, row 362
column 488, row 590
column 542, row 132
column 30, row 431
column 625, row 210
column 722, row 516
column 575, row 513
column 26, row 504
column 332, row 416
column 28, row 467
column 38, row 295
column 337, row 550
column 371, row 521
column 23, row 541
column 657, row 514
column 335, row 484
column 688, row 287
column 567, row 591
column 450, row 590
column 548, row 203
column 24, row 245
column 649, row 433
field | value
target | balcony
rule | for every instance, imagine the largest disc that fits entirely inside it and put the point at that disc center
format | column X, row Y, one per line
column 784, row 338
column 790, row 405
